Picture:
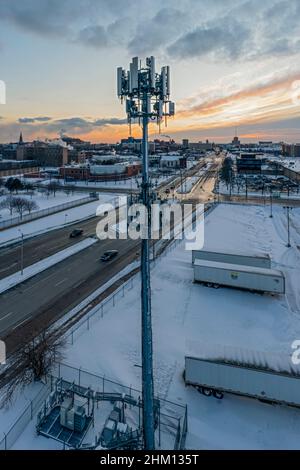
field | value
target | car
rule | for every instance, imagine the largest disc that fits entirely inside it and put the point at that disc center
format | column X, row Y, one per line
column 109, row 255
column 76, row 233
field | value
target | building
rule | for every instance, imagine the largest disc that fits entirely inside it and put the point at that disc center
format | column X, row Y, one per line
column 14, row 167
column 185, row 144
column 103, row 172
column 291, row 150
column 201, row 146
column 236, row 142
column 50, row 153
column 173, row 161
column 248, row 163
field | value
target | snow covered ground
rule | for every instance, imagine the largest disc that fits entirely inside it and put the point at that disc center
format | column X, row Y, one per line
column 289, row 162
column 224, row 189
column 40, row 266
column 184, row 312
column 131, row 183
column 42, row 200
column 54, row 221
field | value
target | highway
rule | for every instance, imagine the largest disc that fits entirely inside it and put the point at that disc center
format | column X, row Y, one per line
column 42, row 246
column 41, row 300
column 61, row 287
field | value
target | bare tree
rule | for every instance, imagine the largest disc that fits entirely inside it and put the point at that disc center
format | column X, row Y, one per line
column 28, row 186
column 53, row 186
column 31, row 206
column 20, row 205
column 8, row 203
column 32, row 362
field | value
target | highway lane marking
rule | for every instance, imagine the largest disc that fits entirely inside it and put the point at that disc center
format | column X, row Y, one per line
column 8, row 267
column 60, row 282
column 19, row 324
column 7, row 315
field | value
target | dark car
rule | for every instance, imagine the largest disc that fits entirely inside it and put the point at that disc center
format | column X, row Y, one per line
column 109, row 255
column 76, row 233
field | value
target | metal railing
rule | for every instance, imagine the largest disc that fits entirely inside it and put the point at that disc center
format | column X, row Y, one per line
column 44, row 212
column 14, row 432
column 173, row 416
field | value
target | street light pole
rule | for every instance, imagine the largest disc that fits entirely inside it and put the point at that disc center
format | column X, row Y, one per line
column 22, row 252
column 271, row 203
column 288, row 209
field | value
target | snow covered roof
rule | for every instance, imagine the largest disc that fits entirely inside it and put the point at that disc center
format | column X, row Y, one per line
column 238, row 267
column 280, row 363
column 257, row 254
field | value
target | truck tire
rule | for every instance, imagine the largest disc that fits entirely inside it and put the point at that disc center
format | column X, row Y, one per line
column 218, row 395
column 207, row 392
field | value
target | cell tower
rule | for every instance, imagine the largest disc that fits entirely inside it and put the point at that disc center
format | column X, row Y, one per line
column 147, row 98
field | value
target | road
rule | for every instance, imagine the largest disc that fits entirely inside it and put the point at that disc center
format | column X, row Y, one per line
column 49, row 295
column 58, row 289
column 42, row 246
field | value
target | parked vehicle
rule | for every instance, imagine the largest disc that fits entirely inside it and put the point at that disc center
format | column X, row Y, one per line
column 109, row 255
column 76, row 233
column 243, row 277
column 256, row 380
column 260, row 260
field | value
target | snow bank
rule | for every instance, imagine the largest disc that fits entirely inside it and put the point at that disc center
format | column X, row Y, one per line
column 40, row 266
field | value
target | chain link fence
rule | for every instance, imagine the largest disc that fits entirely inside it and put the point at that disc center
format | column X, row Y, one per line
column 172, row 427
column 43, row 212
column 12, row 435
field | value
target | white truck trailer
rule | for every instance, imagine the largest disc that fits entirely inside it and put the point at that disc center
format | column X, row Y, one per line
column 260, row 260
column 242, row 277
column 216, row 376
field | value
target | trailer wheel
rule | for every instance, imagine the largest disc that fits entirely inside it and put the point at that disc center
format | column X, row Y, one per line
column 218, row 395
column 207, row 392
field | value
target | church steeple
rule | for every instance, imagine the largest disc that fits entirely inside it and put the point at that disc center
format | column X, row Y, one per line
column 21, row 139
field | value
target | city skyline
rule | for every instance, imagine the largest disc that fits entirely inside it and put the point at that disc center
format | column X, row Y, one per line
column 238, row 62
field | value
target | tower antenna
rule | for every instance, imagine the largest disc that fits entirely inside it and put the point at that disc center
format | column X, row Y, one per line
column 147, row 98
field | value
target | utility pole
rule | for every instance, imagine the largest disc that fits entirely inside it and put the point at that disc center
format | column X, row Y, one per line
column 271, row 203
column 22, row 252
column 147, row 97
column 288, row 209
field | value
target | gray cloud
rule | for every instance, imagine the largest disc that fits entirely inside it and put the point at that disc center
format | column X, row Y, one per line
column 68, row 125
column 156, row 32
column 231, row 30
column 26, row 120
column 95, row 36
column 81, row 123
column 227, row 38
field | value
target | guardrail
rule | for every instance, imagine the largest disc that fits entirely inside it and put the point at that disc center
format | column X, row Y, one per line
column 44, row 212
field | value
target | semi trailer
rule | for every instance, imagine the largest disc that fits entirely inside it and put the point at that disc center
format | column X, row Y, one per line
column 217, row 376
column 260, row 260
column 251, row 278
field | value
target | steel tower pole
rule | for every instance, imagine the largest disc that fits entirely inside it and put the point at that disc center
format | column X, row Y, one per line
column 147, row 351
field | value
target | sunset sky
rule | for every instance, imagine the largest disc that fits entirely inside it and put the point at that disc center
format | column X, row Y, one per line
column 234, row 63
